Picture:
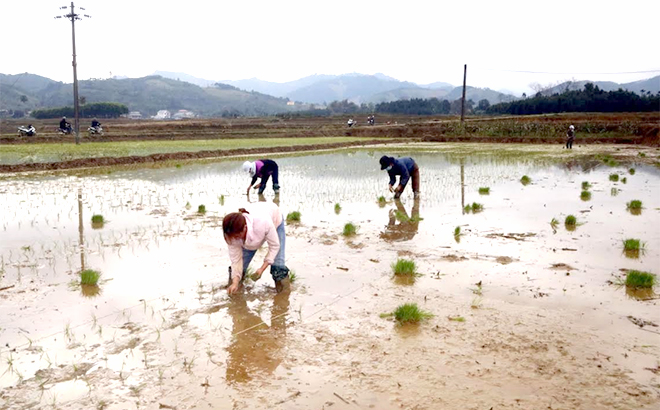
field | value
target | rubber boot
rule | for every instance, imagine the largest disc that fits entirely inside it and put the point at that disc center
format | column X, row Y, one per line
column 282, row 285
column 276, row 189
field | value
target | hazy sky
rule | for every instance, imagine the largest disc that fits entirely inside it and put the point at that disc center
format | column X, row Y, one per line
column 418, row 41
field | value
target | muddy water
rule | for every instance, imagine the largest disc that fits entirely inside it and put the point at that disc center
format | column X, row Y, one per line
column 546, row 327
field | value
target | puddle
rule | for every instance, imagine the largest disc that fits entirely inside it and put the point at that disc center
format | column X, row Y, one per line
column 159, row 329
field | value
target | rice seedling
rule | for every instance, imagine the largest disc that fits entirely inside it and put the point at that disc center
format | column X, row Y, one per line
column 457, row 231
column 350, row 229
column 474, row 207
column 405, row 267
column 624, row 180
column 585, row 185
column 292, row 276
column 641, row 155
column 293, row 217
column 484, row 191
column 476, row 303
column 337, row 209
column 614, row 177
column 570, row 223
column 525, row 180
column 634, row 207
column 554, row 223
column 631, row 171
column 585, row 195
column 408, row 313
column 98, row 220
column 456, row 318
column 382, row 201
column 633, row 247
column 222, row 200
column 614, row 191
column 188, row 206
column 201, row 209
column 89, row 277
column 637, row 279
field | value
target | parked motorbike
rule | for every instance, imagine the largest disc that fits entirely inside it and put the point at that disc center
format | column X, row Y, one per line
column 95, row 131
column 27, row 131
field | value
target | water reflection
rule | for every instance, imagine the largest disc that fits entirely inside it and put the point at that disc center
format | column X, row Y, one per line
column 640, row 293
column 256, row 348
column 407, row 227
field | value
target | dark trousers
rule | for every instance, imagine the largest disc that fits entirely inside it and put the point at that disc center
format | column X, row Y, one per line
column 264, row 180
column 569, row 143
column 414, row 176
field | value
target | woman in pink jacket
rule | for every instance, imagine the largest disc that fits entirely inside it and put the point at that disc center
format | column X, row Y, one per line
column 245, row 231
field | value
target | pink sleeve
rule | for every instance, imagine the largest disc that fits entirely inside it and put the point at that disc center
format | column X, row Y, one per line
column 236, row 257
column 273, row 244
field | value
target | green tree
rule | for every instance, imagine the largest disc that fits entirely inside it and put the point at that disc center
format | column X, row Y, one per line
column 24, row 99
column 483, row 105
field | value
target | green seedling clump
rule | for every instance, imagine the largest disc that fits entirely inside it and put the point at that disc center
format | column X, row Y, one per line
column 525, row 180
column 382, row 201
column 474, row 208
column 614, row 177
column 409, row 313
column 89, row 277
column 585, row 195
column 292, row 276
column 404, row 267
column 293, row 217
column 337, row 209
column 631, row 171
column 201, row 209
column 484, row 191
column 632, row 245
column 570, row 220
column 637, row 279
column 554, row 223
column 586, row 185
column 350, row 229
column 456, row 318
column 222, row 200
column 457, row 231
column 624, row 180
column 97, row 219
column 634, row 206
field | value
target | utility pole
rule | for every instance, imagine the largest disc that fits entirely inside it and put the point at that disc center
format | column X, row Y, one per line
column 73, row 17
column 463, row 100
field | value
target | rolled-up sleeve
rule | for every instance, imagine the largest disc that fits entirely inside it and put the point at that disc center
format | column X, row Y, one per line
column 273, row 245
column 236, row 257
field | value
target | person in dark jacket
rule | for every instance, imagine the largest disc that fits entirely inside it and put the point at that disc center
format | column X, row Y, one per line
column 570, row 134
column 406, row 168
column 264, row 169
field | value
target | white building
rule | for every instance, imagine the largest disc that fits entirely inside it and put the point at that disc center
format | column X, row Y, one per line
column 162, row 115
column 183, row 114
column 134, row 115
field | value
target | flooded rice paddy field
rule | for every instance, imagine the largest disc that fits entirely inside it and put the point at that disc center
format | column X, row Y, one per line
column 527, row 315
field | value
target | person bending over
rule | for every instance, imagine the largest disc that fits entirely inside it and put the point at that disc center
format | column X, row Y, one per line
column 264, row 169
column 406, row 169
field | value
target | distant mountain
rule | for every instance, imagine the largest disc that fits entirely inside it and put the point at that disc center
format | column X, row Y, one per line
column 437, row 85
column 146, row 94
column 357, row 88
column 409, row 93
column 277, row 89
column 477, row 94
column 651, row 84
column 185, row 77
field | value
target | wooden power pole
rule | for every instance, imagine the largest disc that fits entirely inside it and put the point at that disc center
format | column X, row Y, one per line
column 463, row 99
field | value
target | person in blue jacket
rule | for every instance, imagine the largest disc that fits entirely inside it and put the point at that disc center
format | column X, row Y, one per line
column 406, row 169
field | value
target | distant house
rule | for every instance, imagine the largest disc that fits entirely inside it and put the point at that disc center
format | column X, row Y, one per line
column 162, row 115
column 134, row 115
column 290, row 103
column 183, row 114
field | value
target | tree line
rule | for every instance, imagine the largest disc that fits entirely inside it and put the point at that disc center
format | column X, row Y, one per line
column 590, row 99
column 99, row 110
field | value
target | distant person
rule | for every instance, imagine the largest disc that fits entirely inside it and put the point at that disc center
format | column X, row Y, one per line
column 31, row 131
column 264, row 169
column 65, row 126
column 571, row 137
column 406, row 169
column 350, row 122
column 96, row 124
column 245, row 231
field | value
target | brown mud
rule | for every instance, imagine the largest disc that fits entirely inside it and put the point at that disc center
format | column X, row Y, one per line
column 511, row 328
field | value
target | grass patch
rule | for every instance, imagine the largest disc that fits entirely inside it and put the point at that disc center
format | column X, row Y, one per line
column 525, row 180
column 350, row 229
column 404, row 267
column 201, row 209
column 337, row 209
column 637, row 279
column 614, row 177
column 484, row 191
column 293, row 217
column 474, row 207
column 631, row 171
column 570, row 222
column 635, row 207
column 90, row 277
column 408, row 313
column 585, row 195
column 585, row 185
column 98, row 219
